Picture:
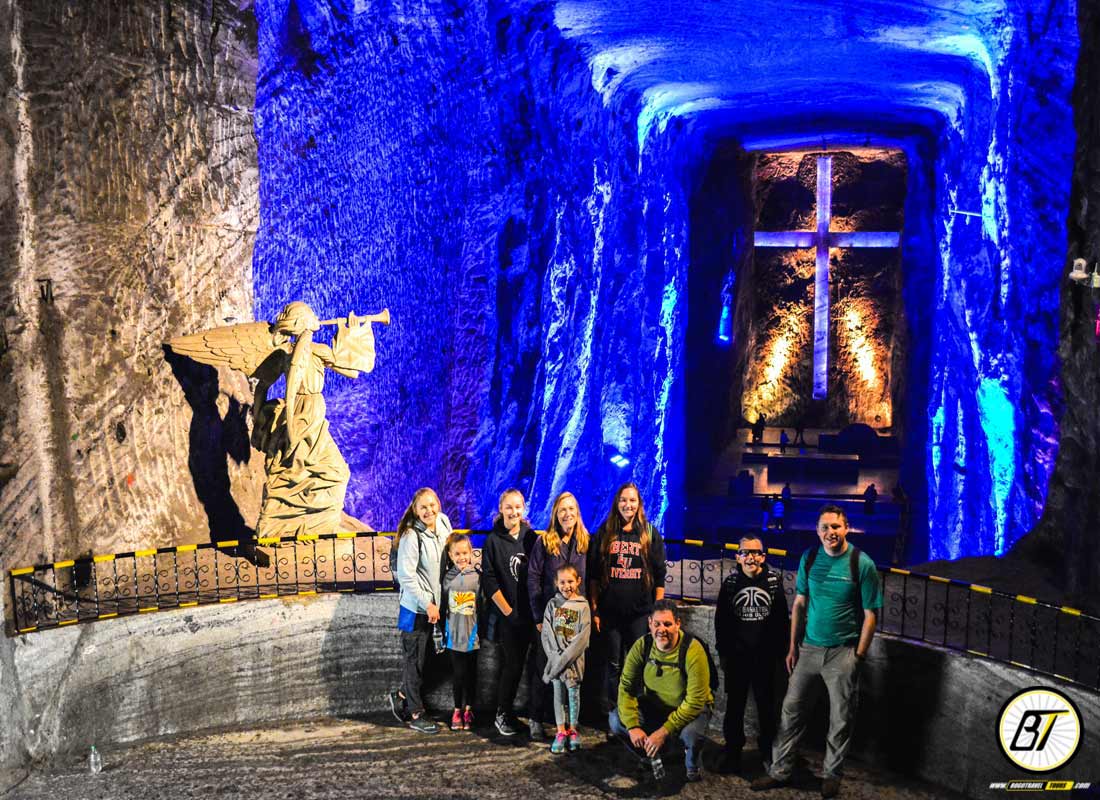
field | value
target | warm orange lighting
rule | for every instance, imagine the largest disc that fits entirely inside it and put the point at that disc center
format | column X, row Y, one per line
column 863, row 350
column 777, row 359
column 772, row 381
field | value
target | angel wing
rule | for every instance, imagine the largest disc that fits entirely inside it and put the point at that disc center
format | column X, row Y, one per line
column 242, row 347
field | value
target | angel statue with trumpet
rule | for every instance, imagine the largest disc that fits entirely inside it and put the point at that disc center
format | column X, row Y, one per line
column 306, row 477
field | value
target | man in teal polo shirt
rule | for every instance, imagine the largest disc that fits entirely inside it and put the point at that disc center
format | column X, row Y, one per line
column 838, row 596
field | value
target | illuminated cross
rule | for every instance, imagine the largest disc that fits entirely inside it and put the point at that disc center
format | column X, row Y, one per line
column 822, row 239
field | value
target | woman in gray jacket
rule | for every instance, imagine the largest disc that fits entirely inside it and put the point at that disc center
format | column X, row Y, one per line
column 421, row 538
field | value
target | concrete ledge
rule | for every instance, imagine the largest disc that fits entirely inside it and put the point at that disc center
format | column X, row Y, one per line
column 925, row 712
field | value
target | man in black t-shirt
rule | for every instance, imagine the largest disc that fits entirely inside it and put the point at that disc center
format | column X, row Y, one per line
column 750, row 625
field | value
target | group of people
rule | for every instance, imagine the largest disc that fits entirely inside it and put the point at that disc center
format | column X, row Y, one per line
column 543, row 595
column 540, row 597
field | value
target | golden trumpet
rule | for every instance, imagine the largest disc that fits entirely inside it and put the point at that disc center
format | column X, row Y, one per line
column 382, row 316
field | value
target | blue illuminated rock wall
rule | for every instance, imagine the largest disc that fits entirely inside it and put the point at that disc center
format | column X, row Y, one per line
column 993, row 393
column 452, row 162
column 530, row 234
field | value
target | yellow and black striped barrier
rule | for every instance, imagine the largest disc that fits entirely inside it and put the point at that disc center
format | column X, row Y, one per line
column 979, row 620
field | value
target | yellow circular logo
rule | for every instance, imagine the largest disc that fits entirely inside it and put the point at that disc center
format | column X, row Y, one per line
column 1039, row 729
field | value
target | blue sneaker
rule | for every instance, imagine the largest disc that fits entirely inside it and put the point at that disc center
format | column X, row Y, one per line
column 559, row 743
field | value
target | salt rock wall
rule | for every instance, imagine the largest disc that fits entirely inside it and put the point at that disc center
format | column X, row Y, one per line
column 452, row 162
column 129, row 204
column 1065, row 538
column 1002, row 175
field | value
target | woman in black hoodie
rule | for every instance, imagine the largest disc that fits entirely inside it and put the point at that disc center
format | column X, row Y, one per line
column 626, row 574
column 504, row 581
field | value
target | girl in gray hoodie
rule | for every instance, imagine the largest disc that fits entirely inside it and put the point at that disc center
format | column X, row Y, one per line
column 566, row 630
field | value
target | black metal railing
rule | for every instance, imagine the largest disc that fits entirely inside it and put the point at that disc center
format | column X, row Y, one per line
column 1023, row 631
column 106, row 586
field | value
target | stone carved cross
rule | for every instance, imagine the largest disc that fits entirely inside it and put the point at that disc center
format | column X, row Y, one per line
column 822, row 239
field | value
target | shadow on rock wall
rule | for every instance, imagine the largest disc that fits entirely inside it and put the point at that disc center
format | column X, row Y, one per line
column 211, row 438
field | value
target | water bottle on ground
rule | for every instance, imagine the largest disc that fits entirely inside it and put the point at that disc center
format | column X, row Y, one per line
column 95, row 762
column 658, row 767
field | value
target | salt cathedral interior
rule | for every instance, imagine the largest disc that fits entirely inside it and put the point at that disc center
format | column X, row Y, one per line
column 267, row 267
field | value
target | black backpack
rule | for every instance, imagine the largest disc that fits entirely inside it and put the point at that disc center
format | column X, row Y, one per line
column 647, row 649
column 419, row 529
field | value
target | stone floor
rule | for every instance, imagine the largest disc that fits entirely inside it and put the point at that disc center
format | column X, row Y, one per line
column 377, row 758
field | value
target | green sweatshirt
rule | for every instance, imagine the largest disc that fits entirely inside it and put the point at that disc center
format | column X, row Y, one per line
column 682, row 700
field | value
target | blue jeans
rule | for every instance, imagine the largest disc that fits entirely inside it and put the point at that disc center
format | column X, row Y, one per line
column 691, row 736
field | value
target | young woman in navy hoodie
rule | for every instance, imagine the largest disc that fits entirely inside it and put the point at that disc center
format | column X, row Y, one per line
column 626, row 574
column 565, row 541
column 504, row 581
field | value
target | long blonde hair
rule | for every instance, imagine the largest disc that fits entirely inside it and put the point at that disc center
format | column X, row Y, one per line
column 409, row 517
column 552, row 537
column 613, row 529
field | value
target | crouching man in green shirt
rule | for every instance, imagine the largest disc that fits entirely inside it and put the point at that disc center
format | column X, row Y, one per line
column 663, row 691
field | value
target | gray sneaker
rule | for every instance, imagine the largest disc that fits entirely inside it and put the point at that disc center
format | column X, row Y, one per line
column 502, row 725
column 536, row 731
column 422, row 724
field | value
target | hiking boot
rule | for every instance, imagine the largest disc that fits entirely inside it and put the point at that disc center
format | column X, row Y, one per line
column 467, row 720
column 766, row 783
column 574, row 741
column 694, row 774
column 456, row 720
column 502, row 725
column 422, row 724
column 559, row 743
column 397, row 706
column 830, row 787
column 536, row 731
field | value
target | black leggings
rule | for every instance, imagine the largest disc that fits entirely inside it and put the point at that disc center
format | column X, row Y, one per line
column 514, row 640
column 620, row 635
column 464, row 681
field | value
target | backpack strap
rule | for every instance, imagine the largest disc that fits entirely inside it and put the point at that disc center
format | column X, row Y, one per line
column 811, row 556
column 647, row 648
column 685, row 642
column 853, row 568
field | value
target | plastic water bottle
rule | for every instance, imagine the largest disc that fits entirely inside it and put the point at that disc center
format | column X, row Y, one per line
column 95, row 762
column 658, row 767
column 437, row 638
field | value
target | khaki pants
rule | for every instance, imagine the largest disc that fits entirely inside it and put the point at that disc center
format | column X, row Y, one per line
column 836, row 666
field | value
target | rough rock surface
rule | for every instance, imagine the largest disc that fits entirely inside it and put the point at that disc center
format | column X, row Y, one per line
column 246, row 664
column 452, row 162
column 130, row 184
column 341, row 758
column 1066, row 541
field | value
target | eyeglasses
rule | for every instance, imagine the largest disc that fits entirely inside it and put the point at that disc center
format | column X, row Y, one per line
column 751, row 553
